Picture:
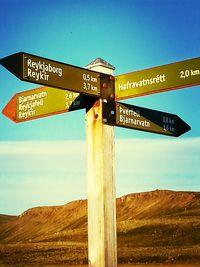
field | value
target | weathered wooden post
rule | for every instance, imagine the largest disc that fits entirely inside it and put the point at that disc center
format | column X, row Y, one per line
column 102, row 241
column 102, row 90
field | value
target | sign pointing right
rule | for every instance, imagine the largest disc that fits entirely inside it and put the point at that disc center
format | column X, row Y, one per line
column 158, row 79
column 138, row 118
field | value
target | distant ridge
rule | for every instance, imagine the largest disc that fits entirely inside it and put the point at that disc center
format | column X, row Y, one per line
column 158, row 203
column 36, row 223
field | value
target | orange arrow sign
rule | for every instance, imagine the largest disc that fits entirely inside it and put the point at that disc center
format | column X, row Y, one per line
column 42, row 102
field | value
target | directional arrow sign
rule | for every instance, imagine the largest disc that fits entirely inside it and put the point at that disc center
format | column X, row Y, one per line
column 133, row 117
column 52, row 73
column 159, row 79
column 41, row 102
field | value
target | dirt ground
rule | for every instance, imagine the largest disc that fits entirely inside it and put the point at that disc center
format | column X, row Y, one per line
column 120, row 265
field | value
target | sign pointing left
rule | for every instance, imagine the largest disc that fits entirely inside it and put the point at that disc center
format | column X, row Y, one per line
column 52, row 73
column 42, row 102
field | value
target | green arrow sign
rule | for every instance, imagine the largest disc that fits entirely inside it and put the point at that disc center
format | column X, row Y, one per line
column 158, row 79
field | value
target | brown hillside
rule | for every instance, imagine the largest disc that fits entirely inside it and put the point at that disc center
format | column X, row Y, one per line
column 39, row 223
column 6, row 218
column 56, row 223
column 158, row 203
column 154, row 227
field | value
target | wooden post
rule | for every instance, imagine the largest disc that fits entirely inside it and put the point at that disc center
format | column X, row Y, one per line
column 102, row 240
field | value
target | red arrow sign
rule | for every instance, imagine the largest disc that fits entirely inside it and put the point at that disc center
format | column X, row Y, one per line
column 42, row 102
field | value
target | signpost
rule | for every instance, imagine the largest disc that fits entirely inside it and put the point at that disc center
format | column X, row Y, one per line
column 48, row 72
column 158, row 79
column 103, row 112
column 41, row 102
column 102, row 234
column 148, row 120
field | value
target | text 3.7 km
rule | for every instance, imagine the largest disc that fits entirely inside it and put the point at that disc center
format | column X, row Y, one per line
column 88, row 80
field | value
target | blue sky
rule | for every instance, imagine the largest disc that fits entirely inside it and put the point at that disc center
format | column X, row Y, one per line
column 131, row 35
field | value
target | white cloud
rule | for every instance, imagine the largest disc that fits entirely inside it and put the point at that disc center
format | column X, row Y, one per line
column 52, row 173
column 158, row 163
column 41, row 147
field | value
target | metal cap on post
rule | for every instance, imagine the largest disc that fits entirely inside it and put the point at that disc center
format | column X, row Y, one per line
column 101, row 65
column 102, row 235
